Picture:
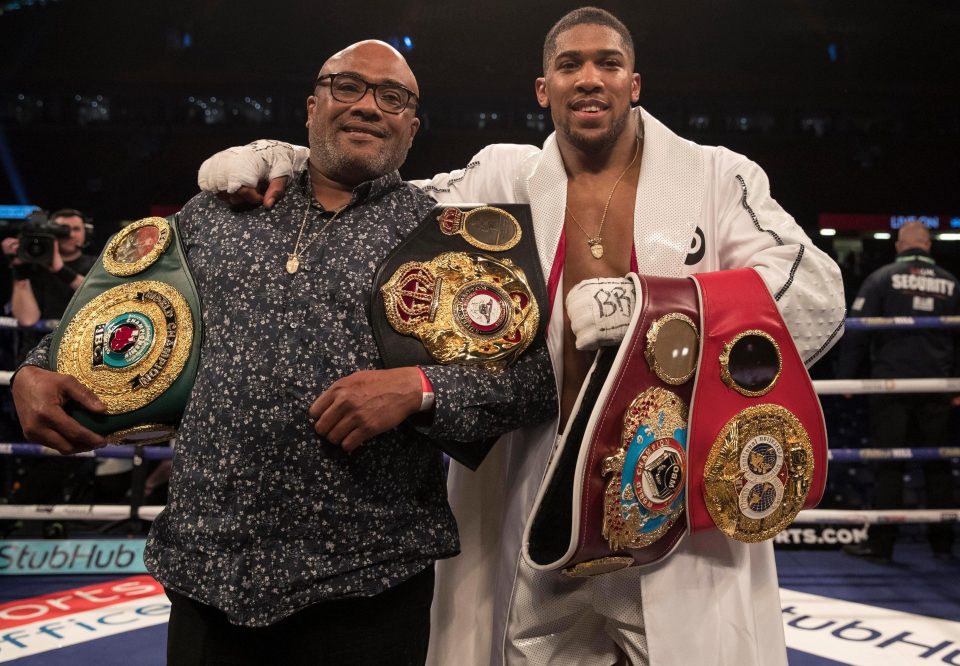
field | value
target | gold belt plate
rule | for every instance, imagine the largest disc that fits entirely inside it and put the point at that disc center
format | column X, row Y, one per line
column 635, row 515
column 487, row 227
column 158, row 319
column 464, row 307
column 758, row 473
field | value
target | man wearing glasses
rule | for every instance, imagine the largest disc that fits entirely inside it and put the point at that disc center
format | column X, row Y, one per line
column 303, row 529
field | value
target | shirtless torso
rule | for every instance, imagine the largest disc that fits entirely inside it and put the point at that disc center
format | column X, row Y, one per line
column 587, row 192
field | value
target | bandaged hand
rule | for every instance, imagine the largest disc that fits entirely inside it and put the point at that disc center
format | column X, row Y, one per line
column 250, row 165
column 600, row 310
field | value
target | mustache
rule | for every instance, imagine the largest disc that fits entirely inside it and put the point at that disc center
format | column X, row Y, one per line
column 369, row 128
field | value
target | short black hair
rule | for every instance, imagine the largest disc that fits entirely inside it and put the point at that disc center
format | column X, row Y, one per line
column 67, row 212
column 587, row 16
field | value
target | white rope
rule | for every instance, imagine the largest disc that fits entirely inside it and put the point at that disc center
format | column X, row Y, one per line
column 891, row 516
column 861, row 386
column 41, row 325
column 822, row 386
column 808, row 517
column 75, row 512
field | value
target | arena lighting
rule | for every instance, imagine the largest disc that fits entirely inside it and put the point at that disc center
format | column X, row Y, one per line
column 23, row 4
column 404, row 43
column 949, row 237
column 882, row 235
column 828, row 232
column 16, row 212
column 13, row 173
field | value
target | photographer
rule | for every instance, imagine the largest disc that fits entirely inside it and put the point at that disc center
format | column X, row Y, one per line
column 48, row 265
column 43, row 283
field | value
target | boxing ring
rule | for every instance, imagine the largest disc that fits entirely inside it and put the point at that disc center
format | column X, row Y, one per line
column 837, row 609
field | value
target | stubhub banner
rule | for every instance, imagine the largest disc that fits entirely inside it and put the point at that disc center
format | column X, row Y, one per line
column 67, row 617
column 82, row 556
column 852, row 633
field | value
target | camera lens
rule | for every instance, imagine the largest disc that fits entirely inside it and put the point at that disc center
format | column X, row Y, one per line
column 35, row 247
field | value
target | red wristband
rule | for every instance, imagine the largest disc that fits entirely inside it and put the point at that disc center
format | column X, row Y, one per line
column 427, row 399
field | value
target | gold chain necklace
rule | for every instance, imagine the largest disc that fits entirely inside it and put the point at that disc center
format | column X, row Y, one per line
column 293, row 260
column 596, row 242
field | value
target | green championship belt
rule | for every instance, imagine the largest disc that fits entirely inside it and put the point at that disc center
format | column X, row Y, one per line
column 132, row 333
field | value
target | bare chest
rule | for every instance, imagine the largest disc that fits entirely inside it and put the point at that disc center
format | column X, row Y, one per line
column 585, row 226
column 599, row 237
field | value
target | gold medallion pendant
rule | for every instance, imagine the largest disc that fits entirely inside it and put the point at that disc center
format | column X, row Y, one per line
column 129, row 344
column 758, row 473
column 464, row 308
column 596, row 248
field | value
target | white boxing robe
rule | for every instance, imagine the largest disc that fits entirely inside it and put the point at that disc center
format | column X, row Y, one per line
column 714, row 601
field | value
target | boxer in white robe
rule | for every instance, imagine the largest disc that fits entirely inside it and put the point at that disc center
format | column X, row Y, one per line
column 678, row 208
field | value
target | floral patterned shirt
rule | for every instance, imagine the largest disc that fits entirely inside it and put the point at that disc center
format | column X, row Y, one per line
column 265, row 517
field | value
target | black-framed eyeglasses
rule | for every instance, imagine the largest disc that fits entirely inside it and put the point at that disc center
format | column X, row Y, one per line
column 349, row 88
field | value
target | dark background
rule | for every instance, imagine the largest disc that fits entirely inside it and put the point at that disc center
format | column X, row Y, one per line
column 850, row 106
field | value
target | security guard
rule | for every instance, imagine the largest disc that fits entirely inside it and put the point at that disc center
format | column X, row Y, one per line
column 912, row 286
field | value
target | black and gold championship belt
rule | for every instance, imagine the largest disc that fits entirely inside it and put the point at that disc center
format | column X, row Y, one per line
column 465, row 287
column 132, row 333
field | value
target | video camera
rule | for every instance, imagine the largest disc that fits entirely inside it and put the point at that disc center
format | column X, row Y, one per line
column 38, row 237
column 37, row 234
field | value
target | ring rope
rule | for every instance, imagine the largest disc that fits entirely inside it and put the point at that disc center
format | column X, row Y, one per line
column 42, row 325
column 877, row 516
column 128, row 451
column 866, row 386
column 822, row 386
column 851, row 323
column 107, row 512
column 150, row 512
column 125, row 451
column 887, row 323
column 916, row 453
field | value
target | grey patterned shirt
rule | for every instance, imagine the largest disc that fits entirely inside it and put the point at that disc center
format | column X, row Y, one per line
column 264, row 516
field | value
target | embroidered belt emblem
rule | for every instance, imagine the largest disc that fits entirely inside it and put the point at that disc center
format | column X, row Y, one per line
column 129, row 344
column 645, row 493
column 464, row 307
column 758, row 473
column 123, row 341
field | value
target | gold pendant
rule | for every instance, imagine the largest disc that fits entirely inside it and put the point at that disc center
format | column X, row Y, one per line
column 596, row 248
column 293, row 263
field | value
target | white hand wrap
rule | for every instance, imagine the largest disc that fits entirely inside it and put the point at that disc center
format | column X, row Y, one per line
column 600, row 310
column 250, row 165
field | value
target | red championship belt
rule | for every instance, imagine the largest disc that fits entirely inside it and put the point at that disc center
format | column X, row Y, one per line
column 703, row 418
column 613, row 495
column 758, row 443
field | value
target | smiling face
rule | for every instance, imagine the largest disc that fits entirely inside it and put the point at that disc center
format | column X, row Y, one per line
column 354, row 142
column 588, row 86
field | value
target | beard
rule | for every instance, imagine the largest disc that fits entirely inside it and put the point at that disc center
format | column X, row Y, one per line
column 594, row 144
column 353, row 169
